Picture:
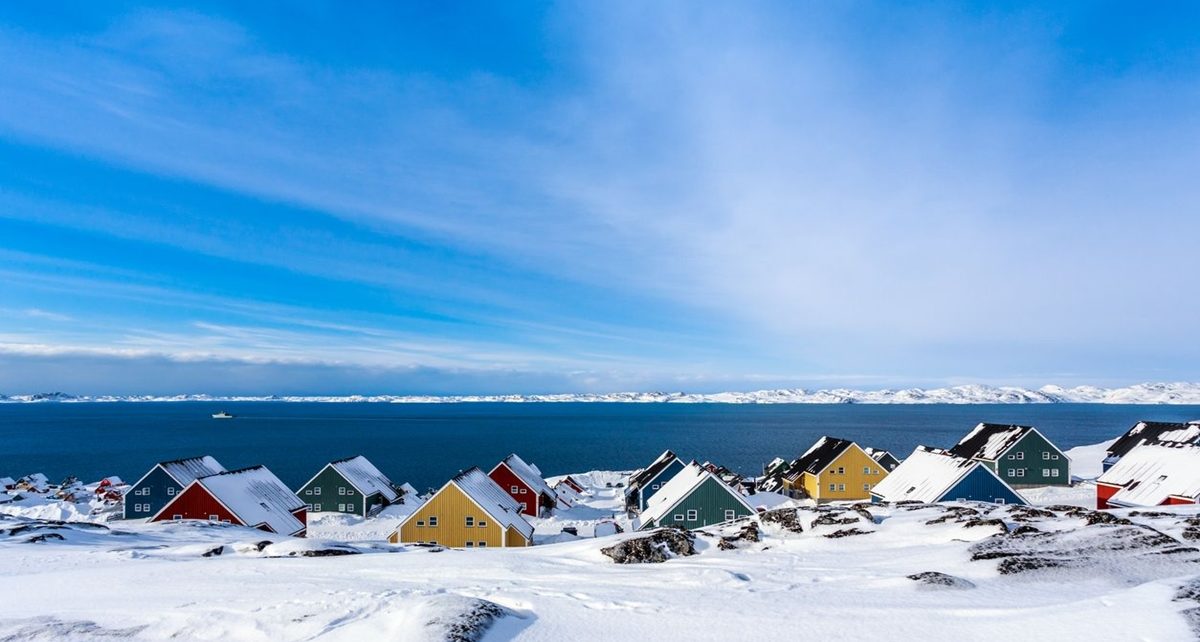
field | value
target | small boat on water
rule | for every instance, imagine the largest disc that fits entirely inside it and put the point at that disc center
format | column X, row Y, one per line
column 222, row 415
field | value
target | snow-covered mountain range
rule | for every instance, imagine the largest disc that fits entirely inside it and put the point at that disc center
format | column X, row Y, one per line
column 1144, row 393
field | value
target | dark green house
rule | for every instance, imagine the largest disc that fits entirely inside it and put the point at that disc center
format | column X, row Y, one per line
column 694, row 498
column 159, row 486
column 352, row 485
column 1020, row 455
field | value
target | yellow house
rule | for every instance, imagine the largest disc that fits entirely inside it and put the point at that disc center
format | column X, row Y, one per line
column 470, row 511
column 833, row 470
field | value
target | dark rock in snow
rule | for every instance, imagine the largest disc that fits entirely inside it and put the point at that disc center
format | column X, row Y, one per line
column 1024, row 529
column 658, row 546
column 748, row 533
column 1027, row 513
column 1193, row 619
column 468, row 621
column 263, row 544
column 976, row 523
column 1101, row 517
column 43, row 538
column 934, row 579
column 786, row 518
column 1026, row 563
column 323, row 552
column 1189, row 591
column 1191, row 533
column 1150, row 513
column 834, row 519
column 213, row 552
column 954, row 514
column 1070, row 511
column 848, row 532
column 1091, row 547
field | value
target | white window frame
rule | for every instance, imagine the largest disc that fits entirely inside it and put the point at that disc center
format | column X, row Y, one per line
column 214, row 518
column 693, row 514
column 841, row 488
column 1045, row 472
column 433, row 521
column 317, row 490
column 481, row 545
column 470, row 521
column 730, row 514
column 524, row 491
column 470, row 544
column 832, row 487
column 170, row 491
column 176, row 518
column 481, row 524
column 341, row 490
column 513, row 490
column 1046, row 455
column 1020, row 472
column 1021, row 456
column 678, row 517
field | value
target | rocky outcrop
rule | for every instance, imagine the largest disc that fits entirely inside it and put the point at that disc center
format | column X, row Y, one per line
column 938, row 580
column 655, row 547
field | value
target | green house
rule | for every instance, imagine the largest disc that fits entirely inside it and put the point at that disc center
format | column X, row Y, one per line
column 694, row 498
column 352, row 485
column 1020, row 455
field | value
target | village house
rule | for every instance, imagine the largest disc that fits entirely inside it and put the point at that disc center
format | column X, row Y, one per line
column 885, row 458
column 1020, row 455
column 352, row 485
column 163, row 482
column 251, row 497
column 524, row 483
column 1152, row 433
column 643, row 484
column 469, row 511
column 833, row 470
column 1151, row 475
column 694, row 498
column 7, row 483
column 933, row 475
column 572, row 484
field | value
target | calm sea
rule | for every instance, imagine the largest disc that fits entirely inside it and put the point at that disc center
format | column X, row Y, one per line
column 426, row 443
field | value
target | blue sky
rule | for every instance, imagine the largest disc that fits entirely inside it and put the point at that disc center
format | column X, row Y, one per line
column 526, row 197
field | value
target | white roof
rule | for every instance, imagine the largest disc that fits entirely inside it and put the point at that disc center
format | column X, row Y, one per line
column 185, row 471
column 1149, row 474
column 680, row 486
column 528, row 474
column 876, row 454
column 475, row 484
column 408, row 489
column 7, row 481
column 256, row 496
column 925, row 476
column 365, row 477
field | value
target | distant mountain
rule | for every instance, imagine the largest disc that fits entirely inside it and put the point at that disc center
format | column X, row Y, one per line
column 1144, row 393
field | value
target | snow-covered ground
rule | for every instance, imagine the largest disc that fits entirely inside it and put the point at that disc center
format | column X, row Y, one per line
column 1143, row 393
column 845, row 575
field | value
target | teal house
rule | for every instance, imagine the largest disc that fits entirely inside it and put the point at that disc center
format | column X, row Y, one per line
column 163, row 482
column 1020, row 455
column 645, row 483
column 694, row 498
column 352, row 485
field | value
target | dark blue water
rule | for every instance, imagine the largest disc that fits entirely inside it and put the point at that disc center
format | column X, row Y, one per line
column 425, row 444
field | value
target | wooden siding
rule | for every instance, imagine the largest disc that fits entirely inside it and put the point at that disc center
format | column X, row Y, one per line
column 980, row 486
column 329, row 492
column 515, row 538
column 1104, row 492
column 517, row 488
column 853, row 474
column 709, row 500
column 451, row 507
column 151, row 493
column 1025, row 464
column 656, row 484
column 195, row 502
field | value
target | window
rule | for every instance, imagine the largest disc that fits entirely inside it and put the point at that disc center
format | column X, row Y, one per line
column 482, row 524
column 470, row 544
column 317, row 490
column 522, row 491
column 341, row 490
column 692, row 515
column 1046, row 455
column 1000, row 500
column 730, row 514
column 866, row 487
column 679, row 517
column 1045, row 472
column 1054, row 457
column 841, row 488
column 523, row 507
column 1054, row 472
column 482, row 544
column 341, row 508
column 214, row 518
column 309, row 508
column 512, row 490
column 1020, row 472
column 841, row 470
column 433, row 521
column 470, row 522
column 866, row 470
column 177, row 517
column 1012, row 472
column 832, row 487
column 170, row 491
column 1021, row 455
column 1012, row 456
column 420, row 523
column 308, row 492
column 876, row 471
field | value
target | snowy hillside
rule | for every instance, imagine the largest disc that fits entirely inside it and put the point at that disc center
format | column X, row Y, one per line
column 1145, row 393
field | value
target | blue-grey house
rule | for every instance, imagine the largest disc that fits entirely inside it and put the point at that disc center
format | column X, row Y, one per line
column 644, row 483
column 163, row 482
column 934, row 475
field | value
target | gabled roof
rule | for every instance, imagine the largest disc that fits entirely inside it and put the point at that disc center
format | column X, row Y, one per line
column 365, row 477
column 990, row 441
column 819, row 455
column 527, row 474
column 878, row 455
column 1155, row 432
column 188, row 470
column 678, row 489
column 408, row 489
column 501, row 506
column 643, row 476
column 256, row 496
column 1149, row 474
column 7, row 481
column 925, row 476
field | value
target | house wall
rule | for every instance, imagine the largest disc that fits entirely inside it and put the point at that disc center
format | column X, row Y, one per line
column 329, row 492
column 196, row 503
column 710, row 500
column 158, row 487
column 515, row 538
column 1104, row 492
column 523, row 493
column 656, row 484
column 1026, row 464
column 1178, row 501
column 853, row 474
column 451, row 506
column 980, row 486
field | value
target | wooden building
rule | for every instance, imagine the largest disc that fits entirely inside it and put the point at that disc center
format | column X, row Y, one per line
column 885, row 458
column 694, row 498
column 833, row 470
column 933, row 475
column 1151, row 475
column 644, row 483
column 251, row 497
column 352, row 485
column 524, row 483
column 469, row 511
column 163, row 482
column 1154, row 433
column 1020, row 455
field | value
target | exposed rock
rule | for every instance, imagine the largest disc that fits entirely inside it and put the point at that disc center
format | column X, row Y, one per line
column 1189, row 591
column 863, row 510
column 848, row 532
column 1026, row 563
column 934, row 579
column 954, row 514
column 1027, row 513
column 1098, row 546
column 1068, row 510
column 43, row 538
column 213, row 552
column 1101, row 517
column 834, row 519
column 786, row 518
column 1191, row 533
column 1150, row 513
column 976, row 523
column 748, row 533
column 657, row 546
column 467, row 622
column 1024, row 529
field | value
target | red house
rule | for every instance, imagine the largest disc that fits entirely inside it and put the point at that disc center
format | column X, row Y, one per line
column 1151, row 475
column 525, row 484
column 572, row 484
column 248, row 497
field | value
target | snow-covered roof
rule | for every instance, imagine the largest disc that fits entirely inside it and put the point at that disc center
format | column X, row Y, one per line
column 365, row 477
column 1155, row 432
column 256, row 496
column 185, row 471
column 501, row 506
column 528, row 474
column 925, row 476
column 408, row 489
column 819, row 455
column 1149, row 474
column 7, row 481
column 680, row 486
column 878, row 454
column 648, row 473
column 989, row 441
